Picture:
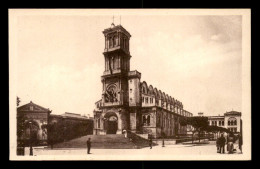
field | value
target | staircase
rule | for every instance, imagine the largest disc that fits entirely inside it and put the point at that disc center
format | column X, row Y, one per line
column 109, row 141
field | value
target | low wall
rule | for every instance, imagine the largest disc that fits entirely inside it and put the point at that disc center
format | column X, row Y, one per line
column 166, row 141
column 145, row 136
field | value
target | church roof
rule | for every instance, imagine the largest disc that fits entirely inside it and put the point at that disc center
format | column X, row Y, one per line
column 118, row 27
column 158, row 93
column 232, row 113
column 36, row 108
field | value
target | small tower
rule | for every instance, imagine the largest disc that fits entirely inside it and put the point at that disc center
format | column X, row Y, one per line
column 116, row 52
column 117, row 65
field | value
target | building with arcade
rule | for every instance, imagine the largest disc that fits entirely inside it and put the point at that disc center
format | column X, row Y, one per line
column 127, row 103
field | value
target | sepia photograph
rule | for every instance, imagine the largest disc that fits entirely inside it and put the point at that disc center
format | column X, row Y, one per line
column 129, row 84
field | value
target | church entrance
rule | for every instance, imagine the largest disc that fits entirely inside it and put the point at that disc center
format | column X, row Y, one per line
column 112, row 124
column 112, row 127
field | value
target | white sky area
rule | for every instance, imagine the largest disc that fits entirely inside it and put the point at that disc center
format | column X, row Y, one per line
column 195, row 59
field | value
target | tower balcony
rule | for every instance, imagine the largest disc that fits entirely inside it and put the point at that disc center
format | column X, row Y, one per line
column 115, row 49
column 134, row 73
column 114, row 71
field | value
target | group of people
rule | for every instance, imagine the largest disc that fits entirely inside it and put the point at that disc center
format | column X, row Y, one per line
column 222, row 141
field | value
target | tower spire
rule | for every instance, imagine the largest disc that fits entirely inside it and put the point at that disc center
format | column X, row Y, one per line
column 112, row 25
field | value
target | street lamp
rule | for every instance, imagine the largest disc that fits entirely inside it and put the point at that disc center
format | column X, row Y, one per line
column 64, row 133
column 31, row 149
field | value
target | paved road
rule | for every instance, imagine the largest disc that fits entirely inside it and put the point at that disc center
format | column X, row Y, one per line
column 170, row 152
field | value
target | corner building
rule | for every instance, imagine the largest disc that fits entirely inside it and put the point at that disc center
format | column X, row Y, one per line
column 127, row 103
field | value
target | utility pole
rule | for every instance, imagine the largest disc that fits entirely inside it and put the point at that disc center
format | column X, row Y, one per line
column 31, row 149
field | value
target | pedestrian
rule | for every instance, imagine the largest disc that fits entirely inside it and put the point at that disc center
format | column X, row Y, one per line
column 125, row 133
column 89, row 145
column 151, row 143
column 218, row 145
column 222, row 142
column 230, row 145
column 228, row 142
column 240, row 142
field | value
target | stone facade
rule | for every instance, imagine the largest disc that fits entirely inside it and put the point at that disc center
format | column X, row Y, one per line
column 127, row 103
column 37, row 116
column 230, row 120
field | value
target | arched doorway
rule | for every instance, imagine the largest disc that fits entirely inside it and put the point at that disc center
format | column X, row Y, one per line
column 111, row 124
column 31, row 132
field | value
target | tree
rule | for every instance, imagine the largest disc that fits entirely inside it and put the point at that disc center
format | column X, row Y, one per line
column 199, row 124
column 18, row 101
column 21, row 118
column 215, row 129
column 55, row 133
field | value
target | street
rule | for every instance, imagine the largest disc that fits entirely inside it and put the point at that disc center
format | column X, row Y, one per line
column 169, row 152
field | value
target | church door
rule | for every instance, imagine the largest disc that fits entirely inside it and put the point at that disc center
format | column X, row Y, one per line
column 112, row 125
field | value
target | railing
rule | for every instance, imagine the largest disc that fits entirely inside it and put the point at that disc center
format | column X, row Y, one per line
column 138, row 140
column 195, row 137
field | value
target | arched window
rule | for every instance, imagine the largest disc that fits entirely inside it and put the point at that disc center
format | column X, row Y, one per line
column 235, row 122
column 232, row 121
column 143, row 89
column 219, row 123
column 148, row 120
column 114, row 41
column 124, row 43
column 222, row 123
column 144, row 120
column 110, row 42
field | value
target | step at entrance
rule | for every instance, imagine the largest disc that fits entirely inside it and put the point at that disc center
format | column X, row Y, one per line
column 109, row 141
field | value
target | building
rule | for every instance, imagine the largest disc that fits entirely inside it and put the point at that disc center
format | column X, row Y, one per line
column 34, row 116
column 72, row 125
column 37, row 118
column 127, row 103
column 230, row 120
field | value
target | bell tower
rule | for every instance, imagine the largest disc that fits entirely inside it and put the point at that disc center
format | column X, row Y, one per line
column 117, row 65
column 116, row 53
column 120, row 87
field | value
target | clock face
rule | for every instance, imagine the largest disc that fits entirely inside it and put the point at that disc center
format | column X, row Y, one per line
column 111, row 94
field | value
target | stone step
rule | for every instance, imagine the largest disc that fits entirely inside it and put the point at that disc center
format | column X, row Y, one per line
column 112, row 141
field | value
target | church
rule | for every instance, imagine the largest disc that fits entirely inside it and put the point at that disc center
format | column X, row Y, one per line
column 129, row 104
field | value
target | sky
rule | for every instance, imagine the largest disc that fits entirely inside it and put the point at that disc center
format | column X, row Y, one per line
column 195, row 59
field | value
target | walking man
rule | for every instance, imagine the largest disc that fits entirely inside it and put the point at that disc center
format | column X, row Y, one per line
column 222, row 142
column 89, row 145
column 218, row 145
column 240, row 142
column 151, row 143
